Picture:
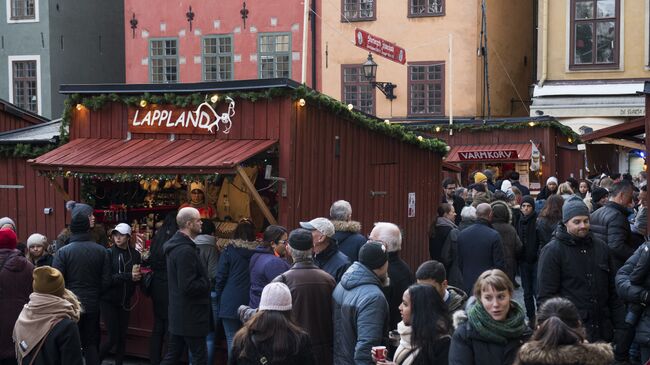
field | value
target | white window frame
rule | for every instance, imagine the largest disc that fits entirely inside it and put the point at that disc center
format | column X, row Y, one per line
column 39, row 94
column 15, row 21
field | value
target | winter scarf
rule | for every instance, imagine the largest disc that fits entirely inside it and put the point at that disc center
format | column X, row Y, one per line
column 442, row 221
column 499, row 332
column 406, row 352
column 39, row 316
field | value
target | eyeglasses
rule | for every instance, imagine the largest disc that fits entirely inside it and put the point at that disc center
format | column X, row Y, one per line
column 282, row 242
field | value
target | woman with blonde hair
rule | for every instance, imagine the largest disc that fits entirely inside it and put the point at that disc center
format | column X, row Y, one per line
column 493, row 328
column 46, row 331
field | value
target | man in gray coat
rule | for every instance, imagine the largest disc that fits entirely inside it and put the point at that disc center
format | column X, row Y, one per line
column 360, row 308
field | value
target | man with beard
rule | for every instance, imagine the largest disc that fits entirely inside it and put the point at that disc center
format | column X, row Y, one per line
column 576, row 265
column 450, row 197
column 360, row 308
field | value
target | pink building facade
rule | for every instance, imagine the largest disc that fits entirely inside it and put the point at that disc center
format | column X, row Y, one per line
column 162, row 45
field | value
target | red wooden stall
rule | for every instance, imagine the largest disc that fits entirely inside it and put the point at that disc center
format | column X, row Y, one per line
column 324, row 154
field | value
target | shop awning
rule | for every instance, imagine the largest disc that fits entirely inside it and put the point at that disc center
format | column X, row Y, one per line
column 151, row 156
column 490, row 153
column 626, row 134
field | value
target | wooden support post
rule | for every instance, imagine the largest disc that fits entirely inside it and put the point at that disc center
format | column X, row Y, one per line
column 256, row 196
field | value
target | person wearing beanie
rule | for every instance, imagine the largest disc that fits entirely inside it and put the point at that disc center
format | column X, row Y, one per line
column 37, row 250
column 360, row 308
column 599, row 197
column 514, row 179
column 189, row 292
column 46, row 330
column 271, row 336
column 480, row 178
column 115, row 303
column 15, row 288
column 576, row 265
column 198, row 201
column 549, row 189
column 85, row 266
column 98, row 231
column 489, row 174
column 6, row 222
column 311, row 294
column 326, row 250
column 401, row 276
column 527, row 231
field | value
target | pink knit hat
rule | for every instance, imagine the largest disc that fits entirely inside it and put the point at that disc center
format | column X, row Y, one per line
column 275, row 297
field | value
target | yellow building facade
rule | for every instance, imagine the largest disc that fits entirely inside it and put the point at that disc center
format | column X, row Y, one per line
column 429, row 85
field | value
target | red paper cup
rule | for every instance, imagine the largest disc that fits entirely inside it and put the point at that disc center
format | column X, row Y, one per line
column 380, row 352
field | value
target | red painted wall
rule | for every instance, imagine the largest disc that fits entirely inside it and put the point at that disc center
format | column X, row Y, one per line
column 158, row 20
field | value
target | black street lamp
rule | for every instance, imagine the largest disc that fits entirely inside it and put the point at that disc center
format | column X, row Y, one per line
column 370, row 73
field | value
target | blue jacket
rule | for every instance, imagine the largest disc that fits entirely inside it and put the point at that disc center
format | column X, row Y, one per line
column 332, row 261
column 233, row 278
column 264, row 267
column 360, row 316
column 479, row 249
column 349, row 239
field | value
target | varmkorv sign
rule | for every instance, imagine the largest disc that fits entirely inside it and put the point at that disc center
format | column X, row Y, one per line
column 488, row 155
column 379, row 46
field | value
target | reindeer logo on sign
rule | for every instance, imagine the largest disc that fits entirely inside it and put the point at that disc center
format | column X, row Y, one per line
column 224, row 118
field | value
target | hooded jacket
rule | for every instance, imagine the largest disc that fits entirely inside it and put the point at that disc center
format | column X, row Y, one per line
column 349, row 239
column 207, row 245
column 86, row 268
column 233, row 278
column 527, row 232
column 360, row 316
column 189, row 288
column 610, row 224
column 457, row 299
column 581, row 271
column 264, row 267
column 512, row 247
column 15, row 287
column 579, row 354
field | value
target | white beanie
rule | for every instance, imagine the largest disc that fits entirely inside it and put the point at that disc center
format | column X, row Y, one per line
column 36, row 239
column 552, row 179
column 506, row 185
column 275, row 297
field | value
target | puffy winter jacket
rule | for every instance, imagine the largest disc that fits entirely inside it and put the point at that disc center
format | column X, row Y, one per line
column 86, row 268
column 15, row 288
column 634, row 294
column 610, row 224
column 349, row 238
column 264, row 267
column 532, row 353
column 360, row 316
column 581, row 271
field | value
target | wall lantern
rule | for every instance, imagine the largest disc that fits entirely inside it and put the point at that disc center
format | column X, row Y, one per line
column 370, row 73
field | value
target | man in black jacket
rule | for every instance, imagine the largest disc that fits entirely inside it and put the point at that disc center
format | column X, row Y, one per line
column 85, row 266
column 610, row 223
column 528, row 261
column 576, row 265
column 449, row 188
column 401, row 276
column 189, row 291
column 514, row 179
column 326, row 252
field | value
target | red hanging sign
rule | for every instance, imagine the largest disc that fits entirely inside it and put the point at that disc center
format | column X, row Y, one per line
column 379, row 46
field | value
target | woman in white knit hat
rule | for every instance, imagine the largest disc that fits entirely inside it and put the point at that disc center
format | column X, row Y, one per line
column 270, row 336
column 37, row 252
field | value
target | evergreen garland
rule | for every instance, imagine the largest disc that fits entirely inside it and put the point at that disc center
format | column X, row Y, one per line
column 472, row 127
column 25, row 150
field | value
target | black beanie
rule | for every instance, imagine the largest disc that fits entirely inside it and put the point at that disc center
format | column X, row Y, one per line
column 373, row 255
column 528, row 199
column 80, row 223
column 598, row 193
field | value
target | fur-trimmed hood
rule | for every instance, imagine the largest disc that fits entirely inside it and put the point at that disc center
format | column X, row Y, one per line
column 347, row 226
column 222, row 243
column 501, row 212
column 584, row 353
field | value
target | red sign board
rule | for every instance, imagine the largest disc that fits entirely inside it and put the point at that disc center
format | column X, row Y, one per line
column 488, row 155
column 379, row 46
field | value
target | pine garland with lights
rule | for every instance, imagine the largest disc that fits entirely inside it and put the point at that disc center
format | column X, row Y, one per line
column 566, row 131
column 24, row 150
column 311, row 98
column 127, row 177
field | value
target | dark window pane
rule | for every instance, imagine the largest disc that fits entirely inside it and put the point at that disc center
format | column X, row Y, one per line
column 583, row 43
column 584, row 9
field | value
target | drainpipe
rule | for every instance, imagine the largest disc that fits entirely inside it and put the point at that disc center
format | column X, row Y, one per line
column 544, row 42
column 305, row 30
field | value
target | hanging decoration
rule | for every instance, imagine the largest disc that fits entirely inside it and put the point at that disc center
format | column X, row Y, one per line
column 190, row 17
column 134, row 24
column 244, row 13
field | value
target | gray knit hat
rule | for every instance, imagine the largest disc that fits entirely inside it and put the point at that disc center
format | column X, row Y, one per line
column 7, row 220
column 574, row 207
column 275, row 297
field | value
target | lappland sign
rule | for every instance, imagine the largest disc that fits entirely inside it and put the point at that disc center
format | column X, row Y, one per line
column 488, row 155
column 203, row 119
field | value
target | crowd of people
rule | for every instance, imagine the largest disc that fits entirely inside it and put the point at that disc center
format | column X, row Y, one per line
column 325, row 293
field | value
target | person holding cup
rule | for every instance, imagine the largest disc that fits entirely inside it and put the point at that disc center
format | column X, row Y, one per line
column 116, row 304
column 424, row 332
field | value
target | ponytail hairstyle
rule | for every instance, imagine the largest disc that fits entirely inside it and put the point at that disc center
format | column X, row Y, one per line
column 443, row 208
column 558, row 324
